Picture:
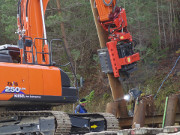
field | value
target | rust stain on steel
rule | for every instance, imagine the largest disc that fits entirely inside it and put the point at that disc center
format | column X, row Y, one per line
column 127, row 122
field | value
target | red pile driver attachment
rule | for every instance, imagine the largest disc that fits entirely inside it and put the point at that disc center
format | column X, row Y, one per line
column 120, row 59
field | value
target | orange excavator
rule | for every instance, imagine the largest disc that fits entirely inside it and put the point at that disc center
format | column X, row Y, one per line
column 30, row 84
column 33, row 78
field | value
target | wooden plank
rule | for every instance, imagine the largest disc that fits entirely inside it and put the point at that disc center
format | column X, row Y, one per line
column 127, row 122
column 178, row 107
column 116, row 109
column 139, row 113
column 171, row 110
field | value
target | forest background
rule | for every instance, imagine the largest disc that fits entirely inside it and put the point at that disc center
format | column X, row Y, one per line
column 154, row 25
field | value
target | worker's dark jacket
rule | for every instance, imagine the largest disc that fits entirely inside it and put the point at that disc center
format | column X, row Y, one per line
column 80, row 109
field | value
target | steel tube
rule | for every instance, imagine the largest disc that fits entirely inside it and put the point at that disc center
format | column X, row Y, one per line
column 43, row 21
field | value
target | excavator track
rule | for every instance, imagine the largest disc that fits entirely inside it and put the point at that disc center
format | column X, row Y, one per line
column 62, row 121
column 111, row 121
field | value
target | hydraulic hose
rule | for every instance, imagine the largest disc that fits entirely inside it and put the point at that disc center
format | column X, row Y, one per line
column 108, row 4
column 19, row 2
column 19, row 12
column 27, row 8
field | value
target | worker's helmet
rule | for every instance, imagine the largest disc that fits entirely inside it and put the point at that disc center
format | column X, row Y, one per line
column 83, row 100
column 135, row 93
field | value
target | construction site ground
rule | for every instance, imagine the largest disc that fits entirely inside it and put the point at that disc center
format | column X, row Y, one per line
column 169, row 130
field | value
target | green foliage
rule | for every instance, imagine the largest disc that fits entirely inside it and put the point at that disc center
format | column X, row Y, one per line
column 90, row 97
column 8, row 21
column 170, row 86
column 155, row 42
column 153, row 54
column 106, row 96
column 96, row 58
column 57, row 19
column 76, row 54
column 163, row 53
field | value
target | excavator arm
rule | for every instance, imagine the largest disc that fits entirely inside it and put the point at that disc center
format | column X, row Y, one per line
column 33, row 44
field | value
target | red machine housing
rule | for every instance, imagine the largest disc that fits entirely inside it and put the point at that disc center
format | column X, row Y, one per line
column 120, row 47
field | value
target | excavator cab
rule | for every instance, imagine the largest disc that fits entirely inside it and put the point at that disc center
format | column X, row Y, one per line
column 9, row 53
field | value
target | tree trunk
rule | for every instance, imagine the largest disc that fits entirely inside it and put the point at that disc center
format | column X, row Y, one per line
column 64, row 33
column 164, row 30
column 170, row 26
column 159, row 26
column 139, row 26
column 174, row 21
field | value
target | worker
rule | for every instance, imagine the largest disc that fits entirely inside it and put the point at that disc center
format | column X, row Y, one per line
column 80, row 108
column 134, row 94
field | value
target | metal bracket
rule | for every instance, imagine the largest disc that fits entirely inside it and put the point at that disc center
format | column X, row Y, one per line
column 31, row 125
column 105, row 60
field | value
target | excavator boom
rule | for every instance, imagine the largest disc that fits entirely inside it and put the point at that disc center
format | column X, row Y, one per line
column 33, row 42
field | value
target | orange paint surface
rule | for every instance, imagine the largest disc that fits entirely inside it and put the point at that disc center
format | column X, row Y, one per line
column 32, row 79
column 33, row 25
column 104, row 10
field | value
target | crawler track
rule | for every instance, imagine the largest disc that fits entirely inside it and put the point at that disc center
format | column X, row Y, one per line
column 112, row 122
column 63, row 123
column 61, row 120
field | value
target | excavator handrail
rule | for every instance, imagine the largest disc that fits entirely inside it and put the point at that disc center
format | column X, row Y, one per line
column 31, row 51
column 49, row 46
column 69, row 63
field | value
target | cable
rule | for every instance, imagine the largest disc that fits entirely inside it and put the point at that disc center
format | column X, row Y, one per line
column 19, row 12
column 167, row 77
column 115, row 7
column 27, row 8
